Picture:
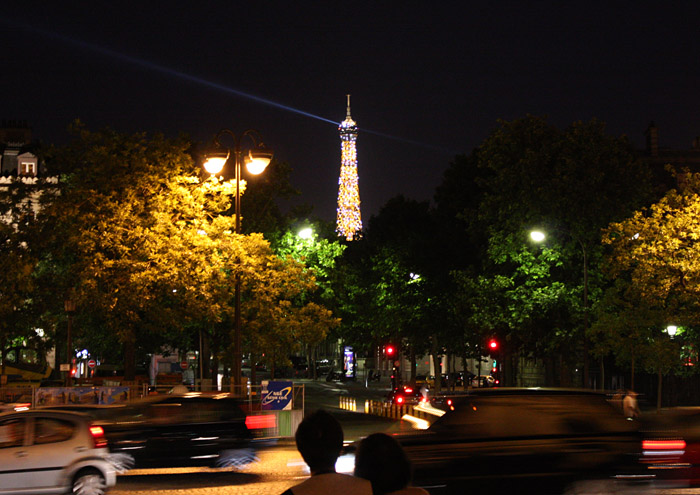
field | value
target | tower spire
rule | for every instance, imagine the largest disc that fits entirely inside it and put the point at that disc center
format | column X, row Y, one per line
column 349, row 221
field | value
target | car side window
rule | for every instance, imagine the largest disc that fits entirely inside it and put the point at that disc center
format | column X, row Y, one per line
column 51, row 430
column 12, row 433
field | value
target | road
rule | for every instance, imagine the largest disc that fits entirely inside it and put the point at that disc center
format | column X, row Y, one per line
column 280, row 466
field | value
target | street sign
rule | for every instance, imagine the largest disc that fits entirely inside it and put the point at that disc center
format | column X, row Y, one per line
column 184, row 365
column 91, row 363
column 64, row 367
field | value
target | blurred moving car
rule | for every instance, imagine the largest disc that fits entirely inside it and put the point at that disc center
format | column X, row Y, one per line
column 671, row 445
column 504, row 440
column 46, row 451
column 193, row 429
column 405, row 395
column 483, row 381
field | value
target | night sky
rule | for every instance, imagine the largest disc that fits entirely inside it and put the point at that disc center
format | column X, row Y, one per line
column 427, row 82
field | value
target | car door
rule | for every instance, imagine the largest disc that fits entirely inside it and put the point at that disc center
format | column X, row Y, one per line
column 170, row 432
column 13, row 452
column 54, row 445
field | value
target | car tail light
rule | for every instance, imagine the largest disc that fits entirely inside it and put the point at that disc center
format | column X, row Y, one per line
column 260, row 421
column 663, row 445
column 23, row 406
column 408, row 390
column 98, row 436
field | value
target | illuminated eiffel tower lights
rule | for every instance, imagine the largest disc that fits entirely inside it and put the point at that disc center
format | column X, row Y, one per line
column 349, row 221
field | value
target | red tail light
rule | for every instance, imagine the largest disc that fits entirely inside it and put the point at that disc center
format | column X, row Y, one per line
column 663, row 445
column 408, row 390
column 98, row 436
column 260, row 421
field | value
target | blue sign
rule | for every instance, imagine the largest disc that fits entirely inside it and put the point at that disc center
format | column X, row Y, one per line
column 277, row 396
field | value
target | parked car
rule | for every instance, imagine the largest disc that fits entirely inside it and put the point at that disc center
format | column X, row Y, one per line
column 193, row 429
column 47, row 451
column 501, row 440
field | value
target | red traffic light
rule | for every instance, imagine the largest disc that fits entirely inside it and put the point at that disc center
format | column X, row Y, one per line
column 493, row 344
column 390, row 350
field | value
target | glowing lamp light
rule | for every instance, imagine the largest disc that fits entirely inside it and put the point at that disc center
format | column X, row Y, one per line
column 306, row 233
column 672, row 330
column 257, row 161
column 537, row 236
column 215, row 161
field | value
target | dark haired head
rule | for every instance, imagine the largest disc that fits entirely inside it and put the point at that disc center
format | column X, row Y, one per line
column 381, row 460
column 319, row 439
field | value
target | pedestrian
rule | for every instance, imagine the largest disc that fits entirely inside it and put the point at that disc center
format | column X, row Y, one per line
column 319, row 439
column 381, row 460
column 630, row 406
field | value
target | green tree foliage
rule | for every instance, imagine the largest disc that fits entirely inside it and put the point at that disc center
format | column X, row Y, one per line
column 386, row 288
column 570, row 183
column 18, row 198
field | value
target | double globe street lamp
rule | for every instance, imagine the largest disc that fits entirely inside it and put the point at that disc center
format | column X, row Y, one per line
column 257, row 158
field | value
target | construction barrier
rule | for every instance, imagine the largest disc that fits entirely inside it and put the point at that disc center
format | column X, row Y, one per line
column 382, row 409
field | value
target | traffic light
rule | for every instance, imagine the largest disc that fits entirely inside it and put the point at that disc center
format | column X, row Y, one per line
column 390, row 350
column 493, row 345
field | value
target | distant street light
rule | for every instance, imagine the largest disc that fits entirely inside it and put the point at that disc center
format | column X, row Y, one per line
column 539, row 236
column 306, row 233
column 256, row 160
column 671, row 330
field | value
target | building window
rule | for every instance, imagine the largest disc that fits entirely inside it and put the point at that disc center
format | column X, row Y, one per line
column 27, row 168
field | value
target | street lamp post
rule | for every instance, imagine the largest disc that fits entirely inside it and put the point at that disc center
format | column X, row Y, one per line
column 257, row 159
column 69, row 306
column 539, row 236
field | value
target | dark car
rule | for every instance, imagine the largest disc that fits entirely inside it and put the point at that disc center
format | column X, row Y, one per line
column 671, row 445
column 524, row 441
column 179, row 430
column 405, row 395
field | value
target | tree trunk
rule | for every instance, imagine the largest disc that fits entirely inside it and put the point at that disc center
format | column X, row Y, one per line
column 206, row 355
column 412, row 357
column 632, row 375
column 434, row 355
column 129, row 361
column 465, row 379
column 658, row 393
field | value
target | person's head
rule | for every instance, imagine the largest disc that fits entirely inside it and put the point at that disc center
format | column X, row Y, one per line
column 319, row 440
column 382, row 461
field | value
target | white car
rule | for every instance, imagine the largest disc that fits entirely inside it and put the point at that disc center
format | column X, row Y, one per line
column 46, row 451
